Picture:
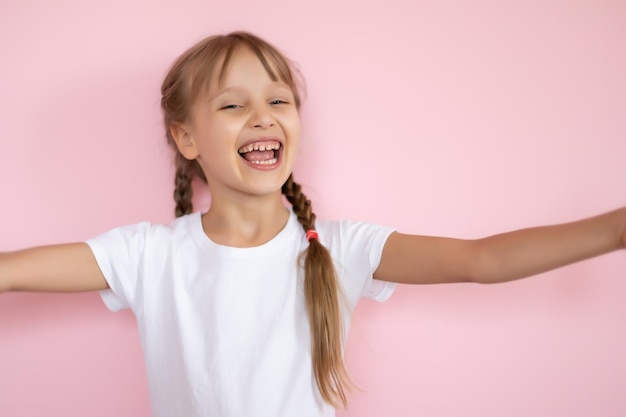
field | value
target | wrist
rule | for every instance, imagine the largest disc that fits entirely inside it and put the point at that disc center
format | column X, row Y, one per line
column 623, row 228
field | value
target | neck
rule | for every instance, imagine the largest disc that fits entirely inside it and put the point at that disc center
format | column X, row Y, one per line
column 245, row 223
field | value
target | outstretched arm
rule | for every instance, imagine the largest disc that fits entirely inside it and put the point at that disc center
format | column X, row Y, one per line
column 69, row 267
column 413, row 259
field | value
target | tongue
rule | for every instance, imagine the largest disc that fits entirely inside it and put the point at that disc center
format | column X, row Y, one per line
column 259, row 155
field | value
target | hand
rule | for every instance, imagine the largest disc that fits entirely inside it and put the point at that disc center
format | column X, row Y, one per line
column 624, row 228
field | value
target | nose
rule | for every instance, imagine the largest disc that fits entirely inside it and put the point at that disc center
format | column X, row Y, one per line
column 262, row 119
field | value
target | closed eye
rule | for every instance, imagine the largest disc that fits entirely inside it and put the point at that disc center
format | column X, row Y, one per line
column 230, row 106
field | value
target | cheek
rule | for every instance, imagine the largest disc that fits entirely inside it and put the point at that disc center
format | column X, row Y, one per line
column 293, row 127
column 294, row 140
column 217, row 132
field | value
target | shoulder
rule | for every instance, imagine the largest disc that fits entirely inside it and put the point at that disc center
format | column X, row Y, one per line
column 351, row 230
column 354, row 239
column 144, row 232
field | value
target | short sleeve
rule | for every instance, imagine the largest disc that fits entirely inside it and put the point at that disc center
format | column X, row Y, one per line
column 120, row 254
column 376, row 289
column 359, row 254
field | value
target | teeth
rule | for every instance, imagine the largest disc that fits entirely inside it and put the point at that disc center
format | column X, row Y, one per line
column 265, row 162
column 260, row 147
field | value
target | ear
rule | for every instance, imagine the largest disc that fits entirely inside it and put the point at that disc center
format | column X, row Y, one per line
column 184, row 140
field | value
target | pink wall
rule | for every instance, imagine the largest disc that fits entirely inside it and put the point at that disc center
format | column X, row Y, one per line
column 437, row 117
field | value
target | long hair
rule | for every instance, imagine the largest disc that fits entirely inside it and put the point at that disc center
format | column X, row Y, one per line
column 189, row 75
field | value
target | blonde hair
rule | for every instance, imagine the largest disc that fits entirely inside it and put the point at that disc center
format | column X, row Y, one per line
column 189, row 75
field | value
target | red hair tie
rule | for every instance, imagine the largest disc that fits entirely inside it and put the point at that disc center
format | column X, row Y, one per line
column 311, row 234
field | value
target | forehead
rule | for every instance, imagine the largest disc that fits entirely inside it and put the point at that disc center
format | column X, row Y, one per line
column 244, row 65
column 241, row 63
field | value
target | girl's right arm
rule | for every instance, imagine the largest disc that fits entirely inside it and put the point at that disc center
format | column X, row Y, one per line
column 68, row 268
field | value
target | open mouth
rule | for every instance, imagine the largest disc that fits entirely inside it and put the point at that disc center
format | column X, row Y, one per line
column 262, row 152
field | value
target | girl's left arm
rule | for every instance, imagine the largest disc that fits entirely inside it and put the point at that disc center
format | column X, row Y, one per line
column 411, row 259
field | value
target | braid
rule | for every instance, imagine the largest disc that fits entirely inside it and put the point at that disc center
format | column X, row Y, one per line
column 321, row 291
column 301, row 206
column 183, row 191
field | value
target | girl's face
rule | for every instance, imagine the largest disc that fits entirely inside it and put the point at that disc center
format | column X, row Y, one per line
column 244, row 132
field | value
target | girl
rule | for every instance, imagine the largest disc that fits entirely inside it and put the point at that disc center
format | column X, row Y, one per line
column 242, row 310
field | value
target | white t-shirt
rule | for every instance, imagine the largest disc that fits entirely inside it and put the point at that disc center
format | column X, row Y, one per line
column 224, row 330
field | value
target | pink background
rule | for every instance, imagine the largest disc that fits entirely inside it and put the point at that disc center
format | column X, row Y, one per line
column 452, row 118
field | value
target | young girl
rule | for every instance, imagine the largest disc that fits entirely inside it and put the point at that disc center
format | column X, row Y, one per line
column 242, row 310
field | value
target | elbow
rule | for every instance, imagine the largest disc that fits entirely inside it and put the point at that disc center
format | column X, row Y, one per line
column 482, row 279
column 481, row 267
